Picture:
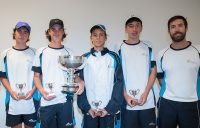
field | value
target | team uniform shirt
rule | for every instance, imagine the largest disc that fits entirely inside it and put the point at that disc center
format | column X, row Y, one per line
column 178, row 69
column 137, row 61
column 16, row 67
column 46, row 63
column 103, row 81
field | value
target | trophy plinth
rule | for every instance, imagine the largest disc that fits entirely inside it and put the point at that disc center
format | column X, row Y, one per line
column 70, row 64
column 70, row 88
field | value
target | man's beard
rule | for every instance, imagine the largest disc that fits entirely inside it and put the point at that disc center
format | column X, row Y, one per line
column 179, row 37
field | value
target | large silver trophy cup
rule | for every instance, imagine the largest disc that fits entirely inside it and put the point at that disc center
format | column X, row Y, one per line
column 70, row 64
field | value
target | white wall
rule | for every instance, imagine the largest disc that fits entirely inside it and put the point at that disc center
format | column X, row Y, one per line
column 80, row 15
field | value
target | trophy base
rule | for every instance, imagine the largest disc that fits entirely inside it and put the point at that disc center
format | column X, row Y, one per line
column 98, row 113
column 21, row 95
column 69, row 89
column 135, row 100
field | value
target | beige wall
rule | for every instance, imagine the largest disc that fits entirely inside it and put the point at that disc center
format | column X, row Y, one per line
column 80, row 15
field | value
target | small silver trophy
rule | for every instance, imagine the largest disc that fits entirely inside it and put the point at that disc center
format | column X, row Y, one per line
column 96, row 104
column 70, row 64
column 50, row 86
column 21, row 86
column 134, row 93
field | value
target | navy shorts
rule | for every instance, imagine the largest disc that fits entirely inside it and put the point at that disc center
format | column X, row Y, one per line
column 57, row 116
column 139, row 118
column 172, row 114
column 28, row 119
column 98, row 122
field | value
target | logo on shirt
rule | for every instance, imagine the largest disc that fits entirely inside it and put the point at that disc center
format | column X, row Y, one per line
column 110, row 66
column 191, row 62
column 69, row 124
column 144, row 54
column 29, row 61
column 152, row 124
column 31, row 120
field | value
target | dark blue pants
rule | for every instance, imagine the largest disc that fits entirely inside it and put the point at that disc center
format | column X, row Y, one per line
column 99, row 122
column 172, row 114
column 57, row 116
column 139, row 118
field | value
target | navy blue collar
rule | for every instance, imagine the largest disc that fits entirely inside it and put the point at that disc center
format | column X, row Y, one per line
column 103, row 52
column 125, row 41
column 21, row 49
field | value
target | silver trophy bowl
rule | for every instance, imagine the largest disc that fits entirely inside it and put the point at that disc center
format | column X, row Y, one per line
column 70, row 64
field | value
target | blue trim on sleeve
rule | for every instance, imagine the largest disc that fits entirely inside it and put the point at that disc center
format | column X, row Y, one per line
column 115, row 60
column 151, row 65
column 163, row 87
column 87, row 55
column 118, row 120
column 120, row 58
column 36, row 94
column 7, row 93
column 7, row 97
column 150, row 54
column 37, row 125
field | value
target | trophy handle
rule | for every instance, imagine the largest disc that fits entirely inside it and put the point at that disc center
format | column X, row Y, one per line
column 100, row 102
column 63, row 68
column 24, row 85
column 82, row 66
column 130, row 91
column 93, row 103
column 137, row 91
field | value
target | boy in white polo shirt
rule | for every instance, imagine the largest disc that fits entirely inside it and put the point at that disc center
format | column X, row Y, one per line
column 49, row 77
column 17, row 78
column 139, row 69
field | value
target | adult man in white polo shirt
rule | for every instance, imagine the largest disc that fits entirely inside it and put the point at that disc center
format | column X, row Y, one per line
column 178, row 67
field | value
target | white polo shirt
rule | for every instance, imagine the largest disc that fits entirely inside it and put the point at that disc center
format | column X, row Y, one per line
column 179, row 71
column 16, row 67
column 136, row 64
column 46, row 62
